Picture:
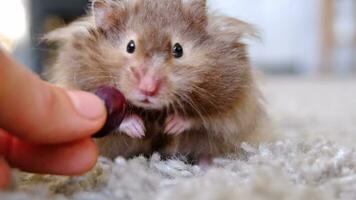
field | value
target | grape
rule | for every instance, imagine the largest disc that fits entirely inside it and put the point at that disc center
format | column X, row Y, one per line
column 116, row 106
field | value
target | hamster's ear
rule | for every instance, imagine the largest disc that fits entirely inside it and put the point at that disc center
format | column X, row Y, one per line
column 108, row 14
column 63, row 34
column 196, row 9
column 231, row 29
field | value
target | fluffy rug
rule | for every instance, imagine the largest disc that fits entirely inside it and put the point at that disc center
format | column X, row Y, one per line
column 314, row 160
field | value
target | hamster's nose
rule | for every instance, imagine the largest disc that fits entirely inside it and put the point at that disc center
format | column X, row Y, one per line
column 149, row 86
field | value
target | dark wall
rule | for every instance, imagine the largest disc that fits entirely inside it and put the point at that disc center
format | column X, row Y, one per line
column 31, row 52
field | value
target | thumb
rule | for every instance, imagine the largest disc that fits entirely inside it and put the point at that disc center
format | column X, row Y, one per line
column 4, row 174
column 38, row 112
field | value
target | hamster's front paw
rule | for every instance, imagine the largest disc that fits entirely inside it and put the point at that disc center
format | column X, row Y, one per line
column 133, row 126
column 176, row 125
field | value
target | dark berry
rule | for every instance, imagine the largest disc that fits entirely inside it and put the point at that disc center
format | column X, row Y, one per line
column 115, row 103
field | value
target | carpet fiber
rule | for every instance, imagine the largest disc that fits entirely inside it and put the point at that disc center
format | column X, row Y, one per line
column 315, row 158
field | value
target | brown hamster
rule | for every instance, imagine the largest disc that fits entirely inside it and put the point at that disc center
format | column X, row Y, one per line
column 184, row 71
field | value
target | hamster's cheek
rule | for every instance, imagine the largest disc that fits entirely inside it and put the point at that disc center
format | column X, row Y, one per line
column 126, row 85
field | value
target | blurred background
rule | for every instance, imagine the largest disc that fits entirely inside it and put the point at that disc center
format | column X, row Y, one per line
column 304, row 37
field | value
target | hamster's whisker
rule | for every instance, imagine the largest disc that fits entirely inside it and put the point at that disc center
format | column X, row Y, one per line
column 202, row 90
column 96, row 72
column 177, row 101
column 206, row 95
column 93, row 81
column 188, row 100
column 97, row 76
column 175, row 109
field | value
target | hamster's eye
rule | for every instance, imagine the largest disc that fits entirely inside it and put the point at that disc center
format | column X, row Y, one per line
column 177, row 50
column 131, row 47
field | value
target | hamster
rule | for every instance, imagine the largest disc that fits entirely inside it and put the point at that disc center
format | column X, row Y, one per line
column 184, row 71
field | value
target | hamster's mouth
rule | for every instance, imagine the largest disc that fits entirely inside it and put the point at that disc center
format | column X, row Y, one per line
column 148, row 103
column 146, row 100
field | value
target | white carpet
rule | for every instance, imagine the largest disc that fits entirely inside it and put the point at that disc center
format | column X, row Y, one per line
column 316, row 159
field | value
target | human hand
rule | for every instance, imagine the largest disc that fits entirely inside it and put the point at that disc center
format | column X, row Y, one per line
column 43, row 128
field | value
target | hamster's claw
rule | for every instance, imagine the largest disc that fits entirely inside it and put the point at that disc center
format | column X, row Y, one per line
column 176, row 125
column 133, row 126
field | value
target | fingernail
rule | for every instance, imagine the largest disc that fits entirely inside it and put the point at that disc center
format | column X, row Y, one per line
column 88, row 105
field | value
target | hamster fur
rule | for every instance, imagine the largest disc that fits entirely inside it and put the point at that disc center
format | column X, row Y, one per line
column 204, row 103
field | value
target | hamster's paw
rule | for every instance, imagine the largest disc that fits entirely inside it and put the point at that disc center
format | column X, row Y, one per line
column 176, row 125
column 133, row 126
column 205, row 161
